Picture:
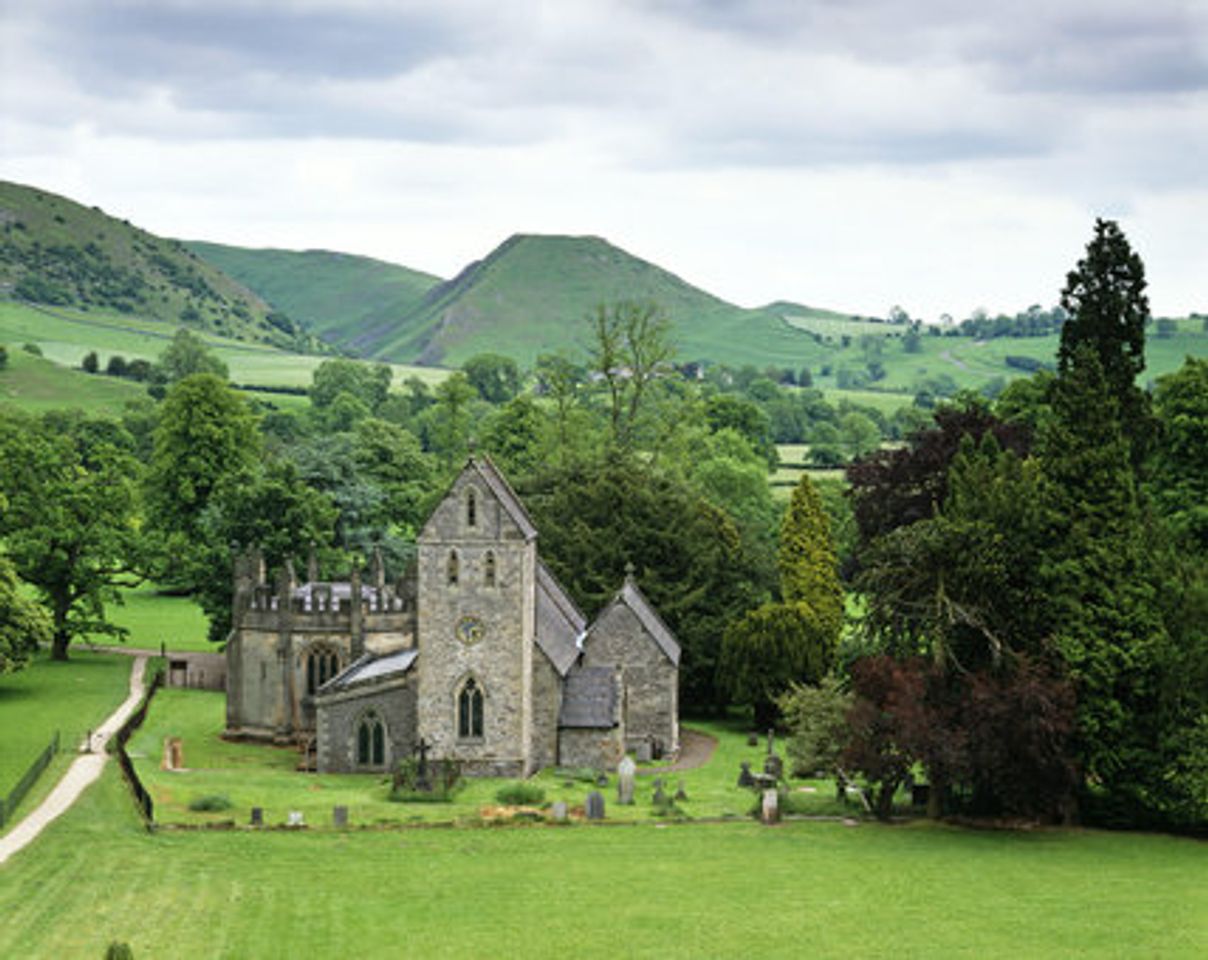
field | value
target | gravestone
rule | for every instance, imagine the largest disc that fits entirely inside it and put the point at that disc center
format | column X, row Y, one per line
column 645, row 752
column 770, row 812
column 339, row 816
column 773, row 766
column 744, row 778
column 680, row 794
column 659, row 798
column 257, row 816
column 558, row 810
column 601, row 779
column 753, row 740
column 295, row 819
column 625, row 774
column 173, row 753
column 771, row 741
column 595, row 805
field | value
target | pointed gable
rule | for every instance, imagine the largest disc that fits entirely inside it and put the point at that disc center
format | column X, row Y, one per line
column 560, row 624
column 480, row 473
column 630, row 597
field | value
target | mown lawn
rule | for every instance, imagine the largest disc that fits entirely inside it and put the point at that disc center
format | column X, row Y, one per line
column 265, row 776
column 70, row 697
column 682, row 890
column 154, row 618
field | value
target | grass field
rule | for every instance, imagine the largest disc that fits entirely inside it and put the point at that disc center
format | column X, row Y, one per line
column 154, row 618
column 692, row 890
column 70, row 697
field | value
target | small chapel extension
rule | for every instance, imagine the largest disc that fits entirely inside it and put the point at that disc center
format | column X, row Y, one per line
column 478, row 651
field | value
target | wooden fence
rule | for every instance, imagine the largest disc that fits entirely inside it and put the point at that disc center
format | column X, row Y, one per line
column 29, row 778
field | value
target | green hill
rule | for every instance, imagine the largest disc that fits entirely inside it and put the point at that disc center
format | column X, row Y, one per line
column 336, row 295
column 56, row 252
column 532, row 293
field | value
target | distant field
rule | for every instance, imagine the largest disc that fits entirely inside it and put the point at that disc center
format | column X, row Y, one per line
column 689, row 890
column 154, row 618
column 70, row 697
column 65, row 336
column 36, row 385
column 828, row 324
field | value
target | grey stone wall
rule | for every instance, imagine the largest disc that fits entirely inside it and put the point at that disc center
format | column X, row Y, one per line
column 339, row 716
column 598, row 749
column 651, row 680
column 501, row 661
column 547, row 703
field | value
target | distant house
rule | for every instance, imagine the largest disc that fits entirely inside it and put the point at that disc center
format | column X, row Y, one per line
column 478, row 652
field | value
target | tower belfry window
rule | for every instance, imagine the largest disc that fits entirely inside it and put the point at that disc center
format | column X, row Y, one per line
column 488, row 569
column 453, row 567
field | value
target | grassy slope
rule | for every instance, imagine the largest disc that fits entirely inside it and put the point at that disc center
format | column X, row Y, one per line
column 97, row 261
column 532, row 294
column 681, row 891
column 36, row 385
column 334, row 294
column 65, row 336
column 47, row 696
column 154, row 618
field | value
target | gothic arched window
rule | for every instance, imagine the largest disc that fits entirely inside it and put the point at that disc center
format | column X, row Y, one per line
column 488, row 569
column 453, row 566
column 322, row 663
column 469, row 711
column 471, row 508
column 371, row 741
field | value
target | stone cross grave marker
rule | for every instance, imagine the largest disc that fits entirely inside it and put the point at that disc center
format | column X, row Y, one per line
column 626, row 770
column 595, row 805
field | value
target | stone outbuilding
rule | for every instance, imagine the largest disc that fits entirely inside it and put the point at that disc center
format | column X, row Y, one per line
column 478, row 653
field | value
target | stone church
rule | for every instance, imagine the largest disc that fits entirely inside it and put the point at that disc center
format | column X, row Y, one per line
column 477, row 651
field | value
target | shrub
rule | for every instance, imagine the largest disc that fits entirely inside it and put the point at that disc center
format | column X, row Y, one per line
column 817, row 722
column 119, row 950
column 90, row 363
column 211, row 803
column 443, row 781
column 520, row 794
column 32, row 348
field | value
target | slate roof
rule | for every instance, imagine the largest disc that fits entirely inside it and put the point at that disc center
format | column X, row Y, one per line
column 589, row 698
column 506, row 495
column 371, row 667
column 560, row 624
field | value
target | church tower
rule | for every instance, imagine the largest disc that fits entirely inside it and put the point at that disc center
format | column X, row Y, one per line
column 476, row 602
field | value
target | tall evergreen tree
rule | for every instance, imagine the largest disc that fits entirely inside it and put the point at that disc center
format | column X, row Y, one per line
column 809, row 569
column 1108, row 309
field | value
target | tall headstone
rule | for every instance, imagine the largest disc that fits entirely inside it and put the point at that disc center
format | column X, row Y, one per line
column 595, row 805
column 771, row 806
column 660, row 798
column 339, row 817
column 626, row 770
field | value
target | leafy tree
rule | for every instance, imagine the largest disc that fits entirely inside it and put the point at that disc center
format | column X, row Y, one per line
column 809, row 571
column 205, row 433
column 816, row 718
column 90, row 363
column 1179, row 471
column 368, row 383
column 516, row 435
column 1108, row 311
column 447, row 422
column 187, row 355
column 392, row 458
column 770, row 648
column 560, row 379
column 630, row 348
column 729, row 411
column 596, row 516
column 494, row 376
column 860, row 433
column 70, row 523
column 23, row 624
column 268, row 507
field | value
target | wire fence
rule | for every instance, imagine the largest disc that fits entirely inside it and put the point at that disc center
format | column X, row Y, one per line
column 9, row 804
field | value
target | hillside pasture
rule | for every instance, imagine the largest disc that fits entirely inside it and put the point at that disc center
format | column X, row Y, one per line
column 686, row 890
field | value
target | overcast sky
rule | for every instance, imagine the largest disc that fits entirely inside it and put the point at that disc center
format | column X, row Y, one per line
column 855, row 154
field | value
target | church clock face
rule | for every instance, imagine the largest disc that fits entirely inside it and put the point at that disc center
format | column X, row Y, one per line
column 470, row 630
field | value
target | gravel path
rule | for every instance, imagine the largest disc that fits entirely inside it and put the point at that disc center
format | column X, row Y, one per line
column 86, row 768
column 696, row 749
